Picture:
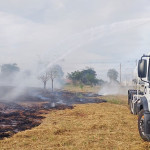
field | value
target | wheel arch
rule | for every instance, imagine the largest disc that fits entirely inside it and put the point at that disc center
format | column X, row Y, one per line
column 142, row 104
column 130, row 95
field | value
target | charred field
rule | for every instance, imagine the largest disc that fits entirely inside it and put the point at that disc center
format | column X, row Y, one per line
column 53, row 124
column 25, row 111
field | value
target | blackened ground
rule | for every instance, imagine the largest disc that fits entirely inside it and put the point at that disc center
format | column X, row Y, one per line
column 25, row 111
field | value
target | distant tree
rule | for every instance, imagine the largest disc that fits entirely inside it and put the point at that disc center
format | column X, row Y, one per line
column 8, row 71
column 75, row 76
column 55, row 72
column 44, row 77
column 9, row 68
column 112, row 74
column 89, row 77
column 59, row 70
column 86, row 77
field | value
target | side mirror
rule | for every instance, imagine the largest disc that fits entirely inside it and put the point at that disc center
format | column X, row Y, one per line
column 142, row 68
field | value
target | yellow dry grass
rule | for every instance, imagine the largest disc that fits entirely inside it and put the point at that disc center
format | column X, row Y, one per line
column 116, row 99
column 77, row 88
column 101, row 126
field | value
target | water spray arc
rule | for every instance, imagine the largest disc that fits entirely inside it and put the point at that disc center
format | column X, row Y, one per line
column 87, row 36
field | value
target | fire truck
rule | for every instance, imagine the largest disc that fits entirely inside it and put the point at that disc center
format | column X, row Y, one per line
column 139, row 100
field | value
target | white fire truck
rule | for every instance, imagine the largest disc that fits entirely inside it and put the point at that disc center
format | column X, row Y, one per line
column 139, row 100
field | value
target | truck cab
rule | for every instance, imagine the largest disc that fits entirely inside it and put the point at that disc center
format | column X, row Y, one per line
column 139, row 100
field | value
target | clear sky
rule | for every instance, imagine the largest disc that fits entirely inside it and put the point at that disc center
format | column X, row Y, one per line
column 75, row 33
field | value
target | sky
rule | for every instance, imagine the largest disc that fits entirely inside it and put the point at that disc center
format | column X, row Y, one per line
column 75, row 34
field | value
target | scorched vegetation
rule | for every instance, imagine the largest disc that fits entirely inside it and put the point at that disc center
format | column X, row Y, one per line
column 88, row 126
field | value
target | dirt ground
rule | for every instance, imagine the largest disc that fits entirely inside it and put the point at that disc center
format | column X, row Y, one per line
column 87, row 126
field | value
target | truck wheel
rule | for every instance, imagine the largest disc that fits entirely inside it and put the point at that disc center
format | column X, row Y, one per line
column 141, row 125
column 131, row 107
column 129, row 97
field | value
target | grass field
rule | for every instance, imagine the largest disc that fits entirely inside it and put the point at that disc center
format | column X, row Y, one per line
column 94, row 89
column 87, row 126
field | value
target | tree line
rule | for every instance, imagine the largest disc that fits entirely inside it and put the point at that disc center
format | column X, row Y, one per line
column 87, row 76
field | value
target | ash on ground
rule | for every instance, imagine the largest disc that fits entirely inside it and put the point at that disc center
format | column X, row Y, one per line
column 25, row 110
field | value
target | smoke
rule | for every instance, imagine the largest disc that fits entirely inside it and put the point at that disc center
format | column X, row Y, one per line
column 113, row 88
column 135, row 73
column 13, row 85
column 28, row 78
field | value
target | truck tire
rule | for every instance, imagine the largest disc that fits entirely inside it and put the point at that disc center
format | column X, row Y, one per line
column 129, row 97
column 141, row 125
column 130, row 105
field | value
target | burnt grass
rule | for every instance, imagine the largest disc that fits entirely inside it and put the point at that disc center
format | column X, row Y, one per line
column 26, row 110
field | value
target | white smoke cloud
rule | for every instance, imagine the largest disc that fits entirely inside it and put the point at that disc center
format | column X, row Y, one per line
column 113, row 88
column 59, row 30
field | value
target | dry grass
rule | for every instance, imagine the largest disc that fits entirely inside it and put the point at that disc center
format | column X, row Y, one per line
column 89, row 126
column 70, row 87
column 108, row 126
column 116, row 99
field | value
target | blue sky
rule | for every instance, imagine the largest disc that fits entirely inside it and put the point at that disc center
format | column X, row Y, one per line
column 74, row 33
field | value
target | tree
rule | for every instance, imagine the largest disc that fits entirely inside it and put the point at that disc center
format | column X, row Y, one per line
column 89, row 77
column 59, row 70
column 50, row 74
column 86, row 77
column 8, row 71
column 112, row 74
column 9, row 68
column 75, row 76
column 44, row 78
column 55, row 72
